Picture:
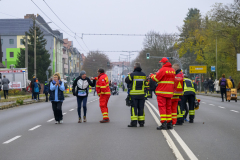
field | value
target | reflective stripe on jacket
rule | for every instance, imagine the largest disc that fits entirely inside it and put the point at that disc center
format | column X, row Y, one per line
column 165, row 79
column 188, row 87
column 136, row 81
column 102, row 84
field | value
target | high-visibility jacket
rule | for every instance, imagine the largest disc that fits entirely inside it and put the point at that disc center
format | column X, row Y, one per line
column 229, row 83
column 165, row 79
column 178, row 85
column 188, row 87
column 102, row 84
column 136, row 81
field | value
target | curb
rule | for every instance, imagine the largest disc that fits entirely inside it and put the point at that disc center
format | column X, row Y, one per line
column 214, row 96
column 17, row 105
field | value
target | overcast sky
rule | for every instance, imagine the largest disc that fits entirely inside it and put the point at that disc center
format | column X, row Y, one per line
column 110, row 17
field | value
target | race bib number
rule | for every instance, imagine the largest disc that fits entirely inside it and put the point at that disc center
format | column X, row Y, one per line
column 82, row 93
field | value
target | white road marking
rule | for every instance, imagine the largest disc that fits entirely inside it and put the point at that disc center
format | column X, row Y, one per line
column 10, row 140
column 234, row 111
column 50, row 120
column 211, row 104
column 166, row 135
column 203, row 102
column 221, row 107
column 34, row 127
column 64, row 113
column 178, row 138
column 71, row 110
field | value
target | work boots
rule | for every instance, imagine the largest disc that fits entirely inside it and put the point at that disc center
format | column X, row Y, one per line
column 170, row 125
column 104, row 121
column 163, row 126
column 191, row 121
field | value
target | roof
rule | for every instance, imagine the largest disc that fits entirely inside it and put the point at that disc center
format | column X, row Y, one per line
column 2, row 66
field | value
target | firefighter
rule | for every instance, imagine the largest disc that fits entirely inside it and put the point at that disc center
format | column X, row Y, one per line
column 189, row 95
column 136, row 82
column 147, row 88
column 103, row 91
column 165, row 78
column 177, row 115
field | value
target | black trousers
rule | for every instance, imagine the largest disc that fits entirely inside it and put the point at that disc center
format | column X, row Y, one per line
column 223, row 91
column 57, row 110
column 137, row 110
column 191, row 101
column 46, row 94
column 180, row 119
column 5, row 93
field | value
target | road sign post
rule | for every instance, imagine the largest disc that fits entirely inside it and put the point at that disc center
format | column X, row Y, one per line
column 47, row 73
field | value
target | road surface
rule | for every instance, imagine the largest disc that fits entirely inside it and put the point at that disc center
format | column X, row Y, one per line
column 29, row 133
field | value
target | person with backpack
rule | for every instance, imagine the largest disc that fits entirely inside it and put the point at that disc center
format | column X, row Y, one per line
column 80, row 90
column 57, row 97
column 46, row 90
column 223, row 86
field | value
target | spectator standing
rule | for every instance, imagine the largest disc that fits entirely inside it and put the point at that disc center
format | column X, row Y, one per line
column 5, row 82
column 210, row 85
column 46, row 90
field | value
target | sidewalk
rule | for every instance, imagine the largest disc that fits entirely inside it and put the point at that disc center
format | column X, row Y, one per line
column 6, row 105
column 213, row 95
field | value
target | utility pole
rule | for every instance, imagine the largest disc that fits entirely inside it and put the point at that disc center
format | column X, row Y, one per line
column 216, row 59
column 35, row 48
column 26, row 52
column 56, row 53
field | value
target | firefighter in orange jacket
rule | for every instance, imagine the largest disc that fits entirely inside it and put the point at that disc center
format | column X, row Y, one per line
column 103, row 91
column 165, row 78
column 178, row 91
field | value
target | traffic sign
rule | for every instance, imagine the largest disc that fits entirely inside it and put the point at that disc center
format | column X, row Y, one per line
column 197, row 69
column 213, row 69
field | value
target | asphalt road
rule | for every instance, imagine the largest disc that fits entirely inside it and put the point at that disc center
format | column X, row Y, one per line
column 29, row 133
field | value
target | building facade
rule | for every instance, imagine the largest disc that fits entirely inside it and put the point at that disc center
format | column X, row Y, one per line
column 12, row 32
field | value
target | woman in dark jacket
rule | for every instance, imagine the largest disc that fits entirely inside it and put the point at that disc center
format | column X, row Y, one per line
column 80, row 90
column 57, row 97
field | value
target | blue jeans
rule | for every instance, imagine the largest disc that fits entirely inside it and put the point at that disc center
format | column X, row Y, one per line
column 81, row 100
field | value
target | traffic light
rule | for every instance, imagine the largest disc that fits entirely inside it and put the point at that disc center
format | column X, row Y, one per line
column 74, row 78
column 148, row 55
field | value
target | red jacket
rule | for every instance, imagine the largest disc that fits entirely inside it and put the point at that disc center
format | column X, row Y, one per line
column 178, row 86
column 102, row 84
column 165, row 78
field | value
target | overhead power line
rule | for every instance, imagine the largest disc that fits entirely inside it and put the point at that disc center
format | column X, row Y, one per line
column 10, row 15
column 56, row 24
column 66, row 25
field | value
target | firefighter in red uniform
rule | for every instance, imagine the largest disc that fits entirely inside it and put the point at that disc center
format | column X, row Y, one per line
column 177, row 115
column 103, row 91
column 165, row 78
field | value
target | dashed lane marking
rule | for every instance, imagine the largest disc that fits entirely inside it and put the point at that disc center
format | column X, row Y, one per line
column 71, row 110
column 34, row 127
column 166, row 135
column 187, row 150
column 64, row 113
column 221, row 107
column 10, row 140
column 211, row 104
column 235, row 111
column 203, row 102
column 50, row 120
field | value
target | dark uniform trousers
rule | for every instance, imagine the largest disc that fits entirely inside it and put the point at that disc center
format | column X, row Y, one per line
column 191, row 101
column 137, row 110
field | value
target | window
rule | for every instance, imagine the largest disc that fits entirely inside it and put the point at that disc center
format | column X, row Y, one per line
column 1, row 41
column 11, row 55
column 11, row 41
column 21, row 41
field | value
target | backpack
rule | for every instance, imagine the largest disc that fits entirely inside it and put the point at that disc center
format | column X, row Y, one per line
column 223, row 82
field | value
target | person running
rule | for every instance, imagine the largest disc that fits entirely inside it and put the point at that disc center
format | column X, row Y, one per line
column 80, row 90
column 5, row 82
column 57, row 97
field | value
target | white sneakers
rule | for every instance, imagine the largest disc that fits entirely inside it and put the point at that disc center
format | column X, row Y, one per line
column 56, row 122
column 61, row 122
